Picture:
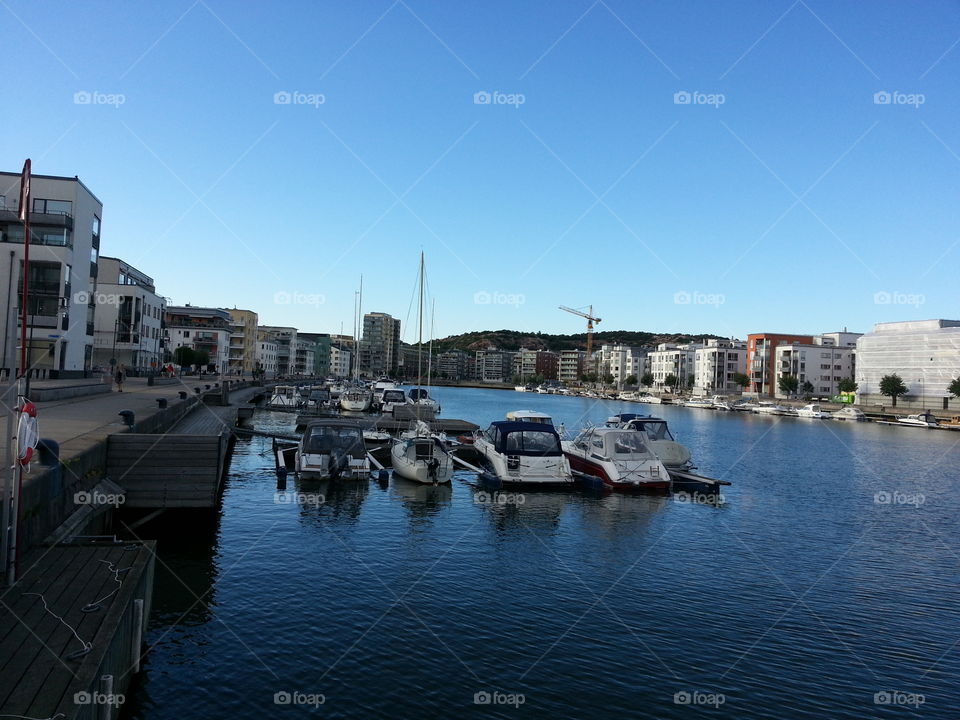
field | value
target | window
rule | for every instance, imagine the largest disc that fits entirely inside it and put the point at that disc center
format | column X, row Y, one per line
column 186, row 333
column 93, row 255
column 96, row 225
column 44, row 296
column 52, row 207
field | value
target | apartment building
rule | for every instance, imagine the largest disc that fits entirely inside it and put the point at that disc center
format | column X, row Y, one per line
column 622, row 362
column 130, row 318
column 266, row 355
column 715, row 365
column 285, row 339
column 672, row 359
column 64, row 264
column 379, row 345
column 494, row 366
column 322, row 343
column 823, row 366
column 203, row 329
column 454, row 365
column 571, row 366
column 340, row 361
column 243, row 341
column 762, row 358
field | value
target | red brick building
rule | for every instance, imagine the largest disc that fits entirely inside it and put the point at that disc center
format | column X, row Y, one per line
column 761, row 356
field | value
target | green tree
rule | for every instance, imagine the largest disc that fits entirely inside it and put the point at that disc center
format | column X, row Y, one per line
column 671, row 381
column 892, row 386
column 184, row 356
column 807, row 387
column 788, row 384
column 847, row 385
column 647, row 379
column 740, row 379
column 201, row 357
column 607, row 379
column 631, row 380
column 589, row 377
column 954, row 387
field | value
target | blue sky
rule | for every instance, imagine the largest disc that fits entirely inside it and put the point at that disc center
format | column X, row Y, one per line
column 784, row 196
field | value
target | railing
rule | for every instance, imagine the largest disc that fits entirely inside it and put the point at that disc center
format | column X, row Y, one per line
column 60, row 219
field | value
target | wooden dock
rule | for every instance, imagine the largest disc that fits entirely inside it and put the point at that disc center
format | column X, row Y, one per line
column 44, row 672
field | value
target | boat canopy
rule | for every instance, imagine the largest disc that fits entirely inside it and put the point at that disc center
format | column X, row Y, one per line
column 394, row 396
column 529, row 416
column 615, row 443
column 623, row 419
column 524, row 438
column 322, row 438
column 419, row 394
column 655, row 428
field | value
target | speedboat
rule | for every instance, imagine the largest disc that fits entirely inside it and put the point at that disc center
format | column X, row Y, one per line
column 529, row 416
column 421, row 456
column 421, row 398
column 650, row 399
column 628, row 396
column 700, row 403
column 391, row 400
column 765, row 407
column 620, row 458
column 672, row 454
column 286, row 396
column 522, row 454
column 720, row 402
column 813, row 410
column 520, row 388
column 849, row 413
column 924, row 419
column 744, row 405
column 333, row 449
column 379, row 387
column 356, row 399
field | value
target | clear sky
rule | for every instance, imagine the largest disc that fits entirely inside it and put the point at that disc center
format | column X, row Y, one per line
column 721, row 167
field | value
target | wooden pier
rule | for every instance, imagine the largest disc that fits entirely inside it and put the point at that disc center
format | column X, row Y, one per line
column 102, row 592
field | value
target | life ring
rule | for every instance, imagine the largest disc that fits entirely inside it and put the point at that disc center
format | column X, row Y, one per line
column 28, row 433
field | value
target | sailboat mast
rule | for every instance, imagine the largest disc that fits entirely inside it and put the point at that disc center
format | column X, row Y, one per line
column 433, row 311
column 420, row 329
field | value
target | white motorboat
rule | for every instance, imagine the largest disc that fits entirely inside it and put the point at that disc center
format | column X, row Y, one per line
column 700, row 403
column 813, row 410
column 744, row 405
column 650, row 399
column 765, row 407
column 720, row 403
column 628, row 396
column 332, row 449
column 392, row 399
column 672, row 454
column 529, row 416
column 379, row 387
column 420, row 398
column 522, row 454
column 355, row 399
column 286, row 397
column 318, row 398
column 520, row 388
column 621, row 458
column 421, row 456
column 924, row 419
column 849, row 413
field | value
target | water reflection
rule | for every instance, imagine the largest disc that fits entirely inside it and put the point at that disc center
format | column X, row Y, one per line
column 337, row 502
column 510, row 512
column 421, row 501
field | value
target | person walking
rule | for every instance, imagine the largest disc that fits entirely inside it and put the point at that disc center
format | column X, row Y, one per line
column 121, row 376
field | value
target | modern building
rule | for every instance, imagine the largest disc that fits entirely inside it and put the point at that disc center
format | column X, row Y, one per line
column 715, row 365
column 304, row 357
column 672, row 359
column 322, row 343
column 494, row 366
column 925, row 354
column 285, row 339
column 266, row 354
column 340, row 365
column 64, row 265
column 379, row 345
column 130, row 320
column 454, row 365
column 548, row 365
column 524, row 364
column 622, row 362
column 243, row 341
column 571, row 366
column 203, row 329
column 762, row 356
column 821, row 365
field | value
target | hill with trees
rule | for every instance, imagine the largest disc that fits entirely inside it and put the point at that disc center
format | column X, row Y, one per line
column 514, row 340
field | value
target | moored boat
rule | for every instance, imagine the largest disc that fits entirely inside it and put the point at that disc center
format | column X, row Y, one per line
column 813, row 410
column 621, row 458
column 286, row 396
column 924, row 419
column 849, row 413
column 333, row 449
column 355, row 399
column 421, row 456
column 522, row 454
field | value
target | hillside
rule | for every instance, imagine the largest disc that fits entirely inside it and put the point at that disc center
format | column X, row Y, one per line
column 514, row 340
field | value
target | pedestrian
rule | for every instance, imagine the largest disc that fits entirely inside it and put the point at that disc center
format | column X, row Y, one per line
column 121, row 376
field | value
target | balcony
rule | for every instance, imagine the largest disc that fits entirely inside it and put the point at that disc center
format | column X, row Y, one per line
column 63, row 219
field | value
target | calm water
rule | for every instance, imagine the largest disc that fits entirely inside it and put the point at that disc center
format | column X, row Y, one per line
column 801, row 596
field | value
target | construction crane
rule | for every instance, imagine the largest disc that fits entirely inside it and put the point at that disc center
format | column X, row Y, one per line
column 590, row 321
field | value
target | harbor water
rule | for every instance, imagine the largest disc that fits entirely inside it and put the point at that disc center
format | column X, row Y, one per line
column 824, row 585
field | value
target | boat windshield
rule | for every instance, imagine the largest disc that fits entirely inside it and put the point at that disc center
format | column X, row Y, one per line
column 394, row 396
column 530, row 442
column 625, row 443
column 323, row 439
column 654, row 429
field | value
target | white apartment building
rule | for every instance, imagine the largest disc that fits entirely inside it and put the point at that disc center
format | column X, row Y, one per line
column 525, row 363
column 621, row 361
column 203, row 329
column 304, row 356
column 823, row 366
column 571, row 366
column 286, row 341
column 130, row 318
column 494, row 365
column 715, row 364
column 266, row 354
column 924, row 353
column 670, row 359
column 64, row 264
column 339, row 361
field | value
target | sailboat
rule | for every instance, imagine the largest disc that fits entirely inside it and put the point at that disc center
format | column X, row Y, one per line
column 356, row 398
column 418, row 454
column 426, row 405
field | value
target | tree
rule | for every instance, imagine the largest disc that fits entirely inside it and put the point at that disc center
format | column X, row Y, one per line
column 647, row 379
column 589, row 377
column 631, row 380
column 608, row 379
column 184, row 356
column 954, row 387
column 671, row 380
column 892, row 386
column 201, row 357
column 740, row 379
column 788, row 384
column 847, row 385
column 807, row 387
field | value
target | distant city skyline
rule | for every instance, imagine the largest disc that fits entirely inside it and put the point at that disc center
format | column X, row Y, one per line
column 757, row 167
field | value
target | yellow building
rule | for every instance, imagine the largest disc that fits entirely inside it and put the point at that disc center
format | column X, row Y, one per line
column 243, row 341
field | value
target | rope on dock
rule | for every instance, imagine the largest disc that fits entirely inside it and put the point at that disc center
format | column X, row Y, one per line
column 87, row 646
column 97, row 604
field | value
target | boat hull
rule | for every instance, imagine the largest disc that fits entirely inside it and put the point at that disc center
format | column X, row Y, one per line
column 612, row 480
